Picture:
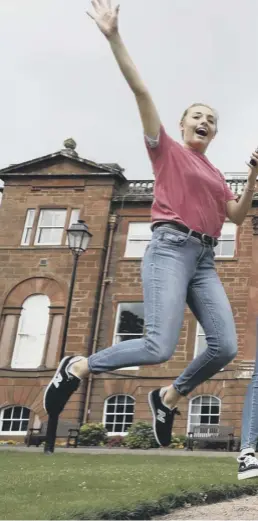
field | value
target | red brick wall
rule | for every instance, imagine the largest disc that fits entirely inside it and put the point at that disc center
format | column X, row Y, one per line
column 17, row 264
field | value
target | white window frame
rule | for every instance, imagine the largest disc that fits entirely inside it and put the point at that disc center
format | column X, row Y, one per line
column 27, row 227
column 199, row 333
column 221, row 240
column 24, row 334
column 39, row 227
column 117, row 414
column 115, row 334
column 12, row 433
column 190, row 408
column 143, row 236
column 74, row 217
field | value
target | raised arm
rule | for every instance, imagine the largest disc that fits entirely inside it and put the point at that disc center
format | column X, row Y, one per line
column 106, row 18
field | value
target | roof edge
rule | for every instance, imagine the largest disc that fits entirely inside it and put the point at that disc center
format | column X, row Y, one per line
column 105, row 167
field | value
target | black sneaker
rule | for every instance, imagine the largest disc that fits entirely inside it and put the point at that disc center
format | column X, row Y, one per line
column 163, row 418
column 60, row 388
column 248, row 467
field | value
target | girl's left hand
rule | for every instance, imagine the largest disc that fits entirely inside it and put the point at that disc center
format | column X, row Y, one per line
column 253, row 168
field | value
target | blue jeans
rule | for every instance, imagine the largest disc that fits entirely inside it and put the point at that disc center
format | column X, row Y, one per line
column 177, row 269
column 250, row 413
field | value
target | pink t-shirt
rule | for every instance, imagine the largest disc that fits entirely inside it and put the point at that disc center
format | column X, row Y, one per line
column 188, row 188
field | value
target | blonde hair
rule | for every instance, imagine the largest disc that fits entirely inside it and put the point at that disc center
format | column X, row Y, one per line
column 200, row 105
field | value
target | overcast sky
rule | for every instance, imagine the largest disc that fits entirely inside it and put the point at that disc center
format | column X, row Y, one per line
column 59, row 79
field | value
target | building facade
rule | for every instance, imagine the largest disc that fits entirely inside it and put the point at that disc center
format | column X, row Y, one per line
column 41, row 198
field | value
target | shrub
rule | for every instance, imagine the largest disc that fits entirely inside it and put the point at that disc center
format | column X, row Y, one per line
column 140, row 436
column 178, row 442
column 92, row 434
column 116, row 441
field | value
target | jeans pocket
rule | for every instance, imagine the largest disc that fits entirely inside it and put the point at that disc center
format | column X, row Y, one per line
column 168, row 239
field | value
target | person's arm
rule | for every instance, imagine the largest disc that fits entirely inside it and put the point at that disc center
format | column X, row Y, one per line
column 237, row 210
column 106, row 18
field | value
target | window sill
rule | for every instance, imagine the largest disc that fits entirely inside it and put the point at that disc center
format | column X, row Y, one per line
column 129, row 369
column 34, row 247
column 12, row 433
column 46, row 246
column 226, row 259
column 62, row 247
column 110, row 434
column 10, row 372
column 129, row 259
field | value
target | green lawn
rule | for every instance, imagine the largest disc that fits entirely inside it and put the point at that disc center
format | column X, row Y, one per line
column 71, row 486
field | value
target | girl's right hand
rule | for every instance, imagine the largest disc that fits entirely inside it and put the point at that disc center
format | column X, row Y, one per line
column 105, row 16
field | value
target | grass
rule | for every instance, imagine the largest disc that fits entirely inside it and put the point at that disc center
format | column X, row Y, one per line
column 71, row 486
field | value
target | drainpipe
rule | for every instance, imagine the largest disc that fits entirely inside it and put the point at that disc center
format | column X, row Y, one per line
column 105, row 280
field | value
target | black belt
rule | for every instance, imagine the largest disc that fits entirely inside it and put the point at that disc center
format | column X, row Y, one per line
column 205, row 239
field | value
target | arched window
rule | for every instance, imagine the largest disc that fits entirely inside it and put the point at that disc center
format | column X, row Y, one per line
column 118, row 414
column 14, row 420
column 204, row 410
column 31, row 333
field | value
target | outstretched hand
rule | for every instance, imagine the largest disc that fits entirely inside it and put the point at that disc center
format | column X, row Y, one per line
column 105, row 15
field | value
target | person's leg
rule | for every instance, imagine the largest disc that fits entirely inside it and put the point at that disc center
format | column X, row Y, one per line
column 248, row 464
column 209, row 303
column 165, row 279
column 167, row 268
column 249, row 433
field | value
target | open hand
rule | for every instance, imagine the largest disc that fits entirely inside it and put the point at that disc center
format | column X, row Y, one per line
column 106, row 16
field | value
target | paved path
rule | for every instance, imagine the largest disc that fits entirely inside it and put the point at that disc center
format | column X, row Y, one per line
column 243, row 508
column 149, row 452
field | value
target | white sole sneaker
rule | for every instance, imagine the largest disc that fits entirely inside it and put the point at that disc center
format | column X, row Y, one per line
column 247, row 474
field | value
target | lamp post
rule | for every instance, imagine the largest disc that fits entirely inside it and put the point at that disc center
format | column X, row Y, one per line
column 78, row 241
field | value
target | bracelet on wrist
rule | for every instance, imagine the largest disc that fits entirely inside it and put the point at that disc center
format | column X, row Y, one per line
column 250, row 189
